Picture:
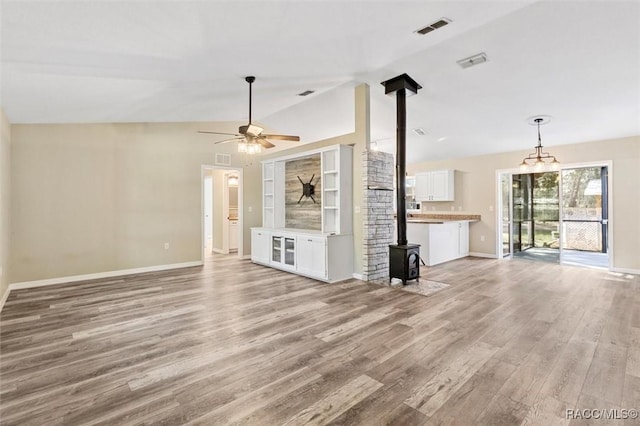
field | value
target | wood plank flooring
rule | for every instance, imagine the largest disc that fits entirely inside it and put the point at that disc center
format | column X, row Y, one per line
column 508, row 343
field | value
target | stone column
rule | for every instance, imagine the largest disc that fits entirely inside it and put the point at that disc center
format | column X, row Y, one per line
column 377, row 214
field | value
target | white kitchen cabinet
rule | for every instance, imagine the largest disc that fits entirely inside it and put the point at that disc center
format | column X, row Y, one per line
column 313, row 254
column 260, row 245
column 437, row 185
column 440, row 242
column 463, row 239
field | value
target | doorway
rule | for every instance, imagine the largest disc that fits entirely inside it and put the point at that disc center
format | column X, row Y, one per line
column 558, row 216
column 222, row 230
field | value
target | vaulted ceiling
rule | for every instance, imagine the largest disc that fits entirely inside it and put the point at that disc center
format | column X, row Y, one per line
column 577, row 61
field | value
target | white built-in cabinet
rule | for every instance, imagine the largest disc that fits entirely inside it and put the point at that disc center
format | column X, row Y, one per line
column 437, row 185
column 440, row 242
column 260, row 245
column 326, row 254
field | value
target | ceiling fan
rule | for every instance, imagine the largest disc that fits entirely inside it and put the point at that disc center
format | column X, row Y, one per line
column 251, row 135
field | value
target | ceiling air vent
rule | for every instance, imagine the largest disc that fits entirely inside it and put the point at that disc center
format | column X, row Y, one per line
column 419, row 131
column 306, row 93
column 434, row 26
column 472, row 60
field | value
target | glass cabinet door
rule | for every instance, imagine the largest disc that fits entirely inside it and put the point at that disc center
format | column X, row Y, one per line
column 289, row 251
column 276, row 249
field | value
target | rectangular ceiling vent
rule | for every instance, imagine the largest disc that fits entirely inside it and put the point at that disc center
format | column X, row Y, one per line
column 419, row 131
column 432, row 27
column 306, row 93
column 480, row 58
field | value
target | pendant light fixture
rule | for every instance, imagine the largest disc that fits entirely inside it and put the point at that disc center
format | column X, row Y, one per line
column 539, row 161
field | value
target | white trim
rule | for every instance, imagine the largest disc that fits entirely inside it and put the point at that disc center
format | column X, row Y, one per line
column 219, row 251
column 485, row 255
column 626, row 271
column 358, row 276
column 303, row 154
column 109, row 274
column 246, row 257
column 4, row 297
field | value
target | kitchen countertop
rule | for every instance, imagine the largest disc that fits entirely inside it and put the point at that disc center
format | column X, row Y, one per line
column 441, row 217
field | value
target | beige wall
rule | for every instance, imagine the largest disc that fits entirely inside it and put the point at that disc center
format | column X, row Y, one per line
column 476, row 191
column 5, row 187
column 90, row 198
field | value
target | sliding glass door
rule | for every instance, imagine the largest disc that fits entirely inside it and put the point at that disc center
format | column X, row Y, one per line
column 536, row 226
column 585, row 216
column 556, row 216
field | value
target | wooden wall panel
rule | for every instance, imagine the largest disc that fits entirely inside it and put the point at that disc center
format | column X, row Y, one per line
column 306, row 214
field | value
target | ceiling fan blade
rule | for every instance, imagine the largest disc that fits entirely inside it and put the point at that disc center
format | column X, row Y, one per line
column 219, row 133
column 282, row 137
column 229, row 140
column 264, row 142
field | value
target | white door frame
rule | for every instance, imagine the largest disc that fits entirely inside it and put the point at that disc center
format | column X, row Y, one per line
column 203, row 170
column 512, row 171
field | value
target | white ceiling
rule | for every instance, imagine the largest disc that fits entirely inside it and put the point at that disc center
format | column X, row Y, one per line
column 578, row 61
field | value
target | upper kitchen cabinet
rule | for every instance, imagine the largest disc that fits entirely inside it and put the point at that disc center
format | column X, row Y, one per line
column 437, row 185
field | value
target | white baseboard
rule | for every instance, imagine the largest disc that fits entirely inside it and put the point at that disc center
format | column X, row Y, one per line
column 109, row 274
column 485, row 255
column 626, row 271
column 219, row 251
column 358, row 276
column 246, row 257
column 4, row 297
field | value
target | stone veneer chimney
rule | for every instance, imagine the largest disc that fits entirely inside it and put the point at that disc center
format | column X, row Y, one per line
column 377, row 214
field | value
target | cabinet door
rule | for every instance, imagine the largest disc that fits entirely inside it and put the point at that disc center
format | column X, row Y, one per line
column 443, row 185
column 443, row 243
column 439, row 185
column 463, row 239
column 422, row 188
column 260, row 245
column 311, row 256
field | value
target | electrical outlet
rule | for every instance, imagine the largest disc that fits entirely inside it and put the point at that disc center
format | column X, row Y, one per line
column 459, row 208
column 453, row 208
column 356, row 209
column 250, row 209
column 481, row 237
column 166, row 246
column 490, row 208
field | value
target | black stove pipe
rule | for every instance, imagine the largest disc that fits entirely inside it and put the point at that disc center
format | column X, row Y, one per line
column 401, row 165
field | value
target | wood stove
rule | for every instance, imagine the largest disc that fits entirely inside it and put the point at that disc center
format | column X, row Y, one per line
column 404, row 262
column 404, row 258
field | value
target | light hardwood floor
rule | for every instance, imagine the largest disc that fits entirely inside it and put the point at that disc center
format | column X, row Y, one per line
column 509, row 343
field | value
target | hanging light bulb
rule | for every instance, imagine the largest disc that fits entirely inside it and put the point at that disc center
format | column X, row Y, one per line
column 538, row 156
column 242, row 146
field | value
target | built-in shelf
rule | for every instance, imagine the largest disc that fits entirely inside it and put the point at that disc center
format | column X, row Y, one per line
column 330, row 171
column 331, row 207
column 331, row 189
